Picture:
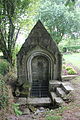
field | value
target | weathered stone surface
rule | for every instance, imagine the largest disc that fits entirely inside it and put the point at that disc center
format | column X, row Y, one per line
column 68, row 77
column 60, row 92
column 21, row 101
column 53, row 95
column 39, row 101
column 38, row 61
column 67, row 88
column 26, row 111
column 66, row 83
column 53, row 84
column 58, row 100
column 38, row 111
column 32, row 108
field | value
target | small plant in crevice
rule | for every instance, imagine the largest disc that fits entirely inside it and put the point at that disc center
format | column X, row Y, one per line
column 16, row 109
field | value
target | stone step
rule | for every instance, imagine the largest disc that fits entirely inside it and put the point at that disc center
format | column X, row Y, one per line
column 39, row 101
column 56, row 100
column 67, row 87
column 53, row 95
column 60, row 92
column 59, row 101
column 66, row 83
column 53, row 84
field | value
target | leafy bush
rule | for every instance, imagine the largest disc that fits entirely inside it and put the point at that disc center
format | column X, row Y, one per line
column 70, row 48
column 69, row 68
column 3, row 93
column 4, row 66
column 70, row 71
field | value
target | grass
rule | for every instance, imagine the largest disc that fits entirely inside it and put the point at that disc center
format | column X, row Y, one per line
column 73, row 58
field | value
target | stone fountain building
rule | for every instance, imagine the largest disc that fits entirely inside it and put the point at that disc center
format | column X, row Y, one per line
column 39, row 63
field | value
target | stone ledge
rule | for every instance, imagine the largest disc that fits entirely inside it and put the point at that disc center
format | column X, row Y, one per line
column 68, row 77
column 39, row 101
column 60, row 92
column 53, row 84
column 21, row 101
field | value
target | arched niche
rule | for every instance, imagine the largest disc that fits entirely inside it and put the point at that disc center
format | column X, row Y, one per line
column 39, row 66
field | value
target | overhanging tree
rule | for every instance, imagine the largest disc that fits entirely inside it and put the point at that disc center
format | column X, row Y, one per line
column 59, row 19
column 12, row 15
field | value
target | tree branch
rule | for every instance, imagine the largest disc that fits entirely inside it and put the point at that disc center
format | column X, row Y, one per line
column 2, row 41
column 16, row 37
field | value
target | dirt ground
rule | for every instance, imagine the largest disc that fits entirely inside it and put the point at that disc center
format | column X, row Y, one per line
column 73, row 113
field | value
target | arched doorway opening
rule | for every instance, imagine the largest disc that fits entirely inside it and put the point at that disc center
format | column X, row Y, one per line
column 40, row 76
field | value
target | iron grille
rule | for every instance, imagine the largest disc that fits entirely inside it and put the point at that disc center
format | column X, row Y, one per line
column 39, row 89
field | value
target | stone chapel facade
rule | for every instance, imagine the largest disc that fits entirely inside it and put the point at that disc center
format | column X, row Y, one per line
column 39, row 61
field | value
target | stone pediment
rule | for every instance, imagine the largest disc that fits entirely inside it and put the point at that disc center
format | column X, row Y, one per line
column 39, row 37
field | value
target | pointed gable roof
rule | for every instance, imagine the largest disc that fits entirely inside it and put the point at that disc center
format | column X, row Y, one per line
column 39, row 36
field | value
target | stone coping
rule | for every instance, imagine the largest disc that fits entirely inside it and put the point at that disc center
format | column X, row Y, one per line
column 39, row 101
column 68, row 77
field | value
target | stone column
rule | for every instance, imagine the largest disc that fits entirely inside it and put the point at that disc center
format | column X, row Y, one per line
column 58, row 67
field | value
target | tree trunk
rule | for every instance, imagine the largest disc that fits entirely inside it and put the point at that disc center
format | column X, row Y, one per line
column 8, row 56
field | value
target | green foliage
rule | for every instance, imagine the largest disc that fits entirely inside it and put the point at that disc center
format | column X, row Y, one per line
column 4, row 66
column 70, row 3
column 70, row 44
column 69, row 68
column 16, row 109
column 13, row 14
column 15, row 52
column 71, row 48
column 71, row 71
column 25, row 87
column 3, row 93
column 58, row 19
